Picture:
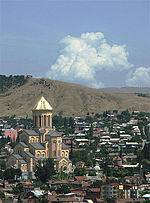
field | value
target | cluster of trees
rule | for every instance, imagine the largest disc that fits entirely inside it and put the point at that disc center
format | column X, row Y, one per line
column 26, row 122
column 64, row 123
column 44, row 170
column 124, row 116
column 19, row 190
column 63, row 189
column 2, row 195
column 10, row 174
column 85, row 156
column 3, row 141
column 143, row 157
column 143, row 95
column 7, row 82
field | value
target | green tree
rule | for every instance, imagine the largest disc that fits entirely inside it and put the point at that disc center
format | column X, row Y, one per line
column 63, row 189
column 44, row 170
column 44, row 200
column 92, row 173
column 2, row 195
column 97, row 183
column 2, row 164
column 80, row 171
column 18, row 190
column 115, row 111
column 106, row 161
column 18, row 173
column 89, row 119
column 71, row 122
column 58, row 121
column 10, row 173
column 89, row 133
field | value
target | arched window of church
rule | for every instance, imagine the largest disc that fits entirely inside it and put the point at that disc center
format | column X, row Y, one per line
column 38, row 154
column 48, row 120
column 44, row 120
column 35, row 120
column 43, row 155
column 40, row 121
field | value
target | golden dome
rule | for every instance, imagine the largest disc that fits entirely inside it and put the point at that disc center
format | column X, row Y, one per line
column 42, row 104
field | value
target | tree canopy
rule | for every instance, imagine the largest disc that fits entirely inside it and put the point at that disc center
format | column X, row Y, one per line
column 44, row 170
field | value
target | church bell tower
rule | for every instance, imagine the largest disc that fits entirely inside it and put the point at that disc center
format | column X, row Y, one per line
column 42, row 114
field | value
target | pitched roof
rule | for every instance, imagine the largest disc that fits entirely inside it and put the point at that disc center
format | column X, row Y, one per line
column 54, row 133
column 40, row 159
column 22, row 161
column 42, row 104
column 31, row 132
column 29, row 154
column 23, row 144
column 17, row 156
column 37, row 145
column 60, row 158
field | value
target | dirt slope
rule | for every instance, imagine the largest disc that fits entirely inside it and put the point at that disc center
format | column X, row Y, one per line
column 70, row 99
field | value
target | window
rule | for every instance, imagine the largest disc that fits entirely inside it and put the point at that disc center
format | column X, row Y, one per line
column 43, row 154
column 48, row 120
column 44, row 120
column 38, row 154
column 35, row 120
column 40, row 121
column 32, row 139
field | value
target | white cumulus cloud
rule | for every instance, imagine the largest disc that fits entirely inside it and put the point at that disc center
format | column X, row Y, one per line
column 140, row 77
column 81, row 58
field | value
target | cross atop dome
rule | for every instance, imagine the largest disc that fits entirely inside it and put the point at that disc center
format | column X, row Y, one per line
column 43, row 104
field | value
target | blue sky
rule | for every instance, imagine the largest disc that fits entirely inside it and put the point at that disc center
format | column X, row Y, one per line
column 33, row 35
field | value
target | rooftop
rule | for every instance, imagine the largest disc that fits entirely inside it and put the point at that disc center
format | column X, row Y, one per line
column 17, row 156
column 29, row 154
column 23, row 144
column 22, row 161
column 37, row 145
column 31, row 132
column 42, row 104
column 54, row 134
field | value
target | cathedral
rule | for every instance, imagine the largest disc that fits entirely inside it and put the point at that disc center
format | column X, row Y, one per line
column 40, row 143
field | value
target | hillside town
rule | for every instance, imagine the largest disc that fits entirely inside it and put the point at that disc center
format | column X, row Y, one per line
column 97, row 158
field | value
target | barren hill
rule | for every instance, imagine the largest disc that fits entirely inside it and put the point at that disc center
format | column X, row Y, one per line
column 70, row 99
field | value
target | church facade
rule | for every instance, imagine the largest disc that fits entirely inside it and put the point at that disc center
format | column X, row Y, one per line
column 40, row 143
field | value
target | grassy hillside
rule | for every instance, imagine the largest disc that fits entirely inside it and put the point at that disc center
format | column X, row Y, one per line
column 70, row 99
column 137, row 90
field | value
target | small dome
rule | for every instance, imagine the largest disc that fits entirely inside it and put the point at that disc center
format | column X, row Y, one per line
column 42, row 104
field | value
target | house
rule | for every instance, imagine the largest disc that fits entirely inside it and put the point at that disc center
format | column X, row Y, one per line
column 11, row 133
